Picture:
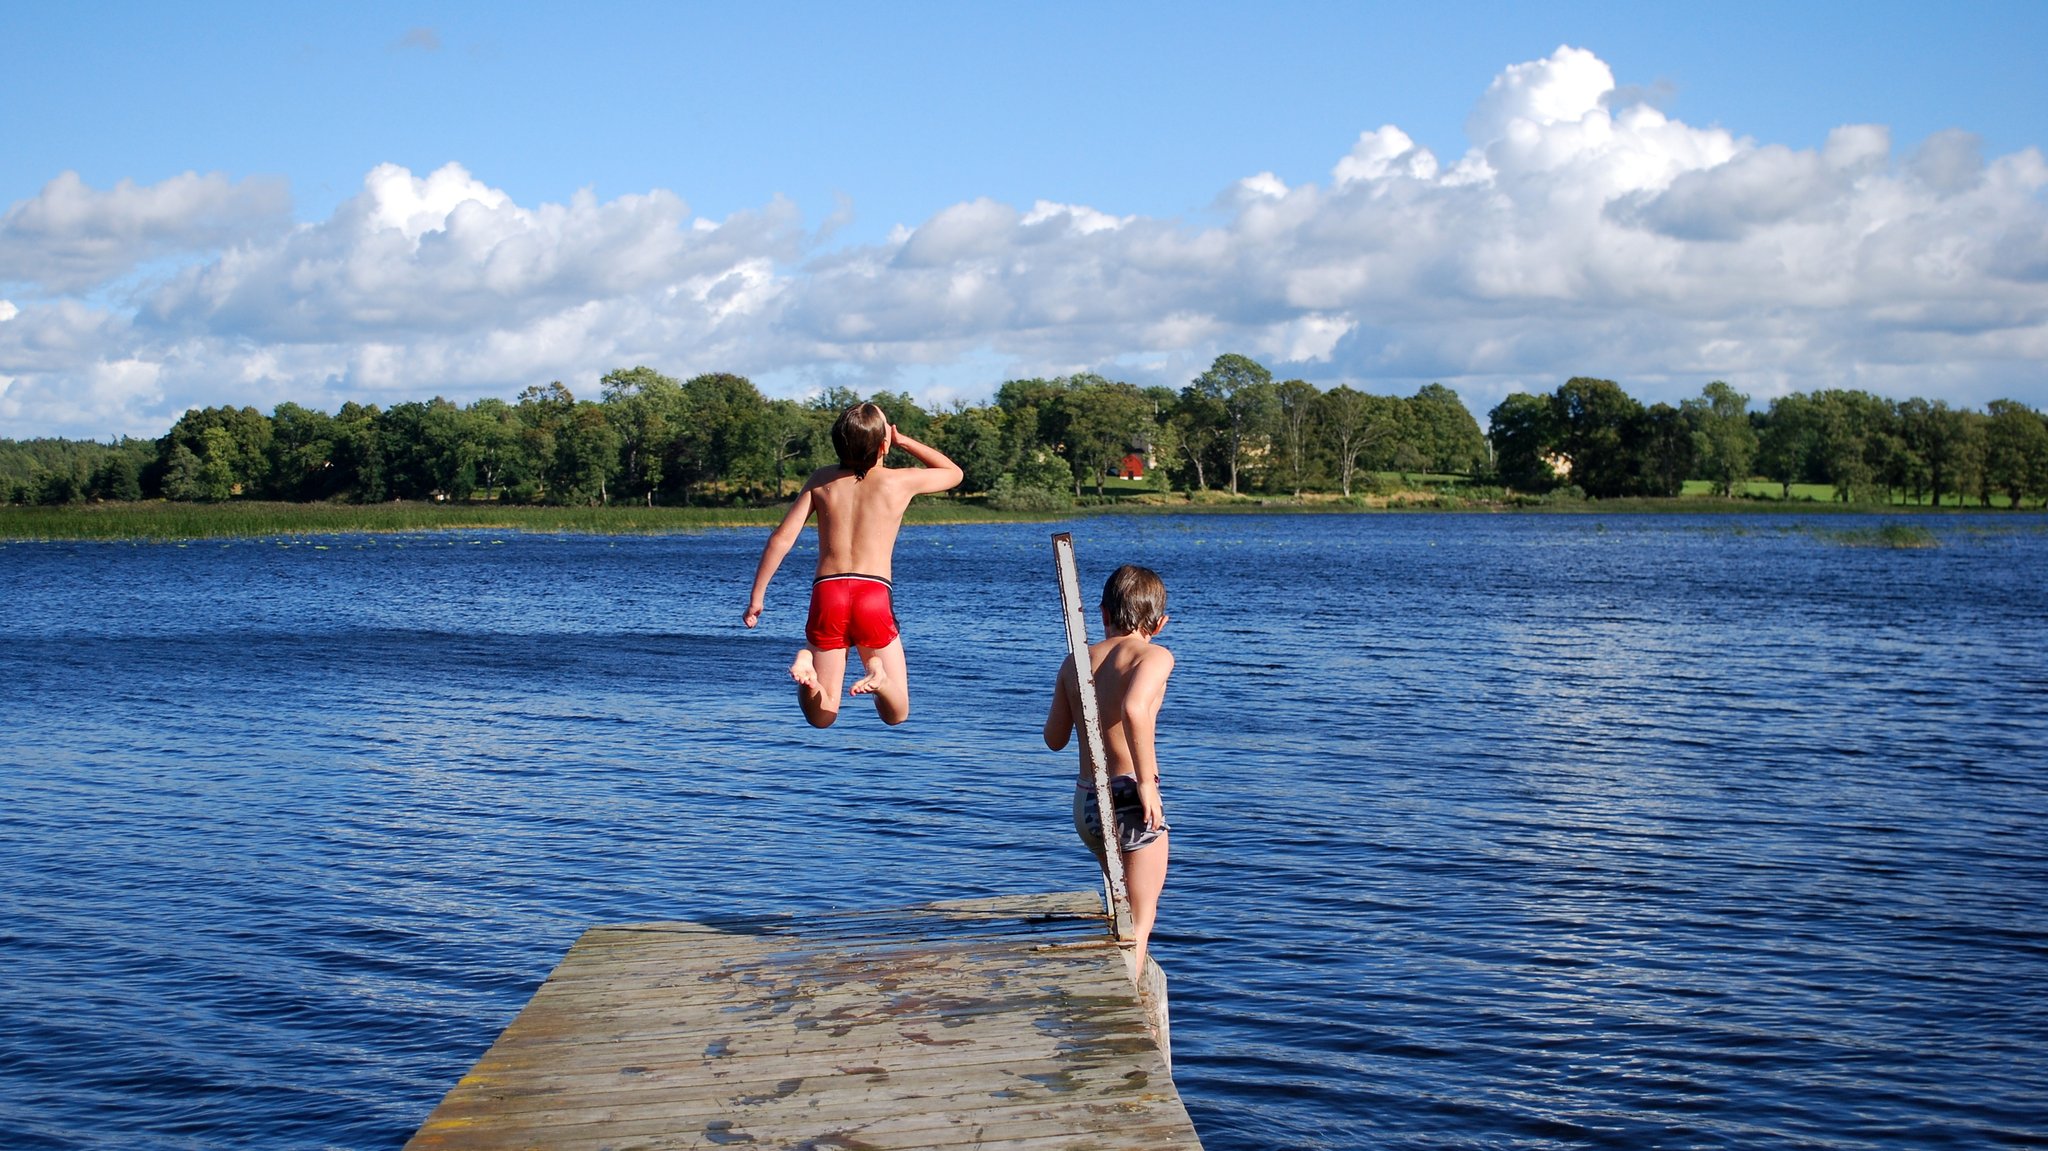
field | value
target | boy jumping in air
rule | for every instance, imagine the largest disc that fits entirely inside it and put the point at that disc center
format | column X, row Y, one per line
column 859, row 504
column 1130, row 684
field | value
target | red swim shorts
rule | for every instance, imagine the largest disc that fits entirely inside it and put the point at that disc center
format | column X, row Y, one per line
column 850, row 611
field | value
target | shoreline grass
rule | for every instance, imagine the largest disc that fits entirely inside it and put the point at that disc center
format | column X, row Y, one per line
column 160, row 520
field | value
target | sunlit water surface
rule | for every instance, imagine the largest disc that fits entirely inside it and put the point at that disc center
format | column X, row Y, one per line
column 1532, row 832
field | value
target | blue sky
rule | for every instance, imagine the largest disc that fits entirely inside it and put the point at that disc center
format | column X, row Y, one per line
column 935, row 197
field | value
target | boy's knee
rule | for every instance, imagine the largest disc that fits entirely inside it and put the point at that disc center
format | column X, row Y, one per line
column 820, row 718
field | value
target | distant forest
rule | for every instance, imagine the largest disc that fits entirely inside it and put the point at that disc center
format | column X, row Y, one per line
column 714, row 439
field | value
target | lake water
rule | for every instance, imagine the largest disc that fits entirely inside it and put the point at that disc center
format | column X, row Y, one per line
column 1511, row 831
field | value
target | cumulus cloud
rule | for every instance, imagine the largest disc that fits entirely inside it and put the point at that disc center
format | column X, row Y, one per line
column 72, row 238
column 446, row 257
column 1582, row 231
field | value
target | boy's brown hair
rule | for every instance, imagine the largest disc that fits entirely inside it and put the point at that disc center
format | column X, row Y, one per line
column 858, row 435
column 1134, row 599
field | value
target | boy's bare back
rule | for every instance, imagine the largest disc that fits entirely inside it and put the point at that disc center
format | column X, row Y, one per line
column 859, row 517
column 1130, row 685
column 859, row 504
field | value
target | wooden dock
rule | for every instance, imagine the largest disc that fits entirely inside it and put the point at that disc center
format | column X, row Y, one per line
column 1003, row 1023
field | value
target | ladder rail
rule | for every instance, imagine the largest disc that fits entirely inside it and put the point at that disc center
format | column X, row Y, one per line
column 1093, row 751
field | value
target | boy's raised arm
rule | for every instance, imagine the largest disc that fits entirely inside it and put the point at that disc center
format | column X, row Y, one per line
column 779, row 542
column 940, row 473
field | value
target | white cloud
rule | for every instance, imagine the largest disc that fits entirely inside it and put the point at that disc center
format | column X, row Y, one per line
column 73, row 238
column 1582, row 232
column 1379, row 154
column 102, row 394
column 1073, row 216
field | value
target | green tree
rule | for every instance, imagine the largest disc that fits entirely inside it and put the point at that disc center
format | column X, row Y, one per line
column 452, row 446
column 302, row 454
column 586, row 457
column 1525, row 438
column 1353, row 425
column 1786, row 442
column 648, row 411
column 721, row 433
column 794, row 435
column 973, row 438
column 1723, row 440
column 359, row 452
column 182, row 480
column 1034, row 424
column 1592, row 418
column 402, row 442
column 116, row 478
column 1104, row 422
column 238, row 459
column 544, row 414
column 2016, row 451
column 1661, row 443
column 1444, row 432
column 495, row 428
column 1242, row 389
column 1032, row 418
column 217, row 463
column 1936, row 434
column 1040, row 481
column 1197, row 421
column 1971, row 475
column 64, row 484
column 1295, row 409
column 1841, row 450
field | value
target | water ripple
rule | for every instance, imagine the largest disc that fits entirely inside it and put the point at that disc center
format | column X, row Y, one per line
column 1517, row 831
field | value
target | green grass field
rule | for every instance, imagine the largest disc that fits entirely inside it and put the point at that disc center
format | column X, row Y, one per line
column 1816, row 493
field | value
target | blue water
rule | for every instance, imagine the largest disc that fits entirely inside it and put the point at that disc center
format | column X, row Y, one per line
column 1519, row 831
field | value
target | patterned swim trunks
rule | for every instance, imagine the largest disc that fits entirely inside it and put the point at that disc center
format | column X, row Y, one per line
column 1131, row 832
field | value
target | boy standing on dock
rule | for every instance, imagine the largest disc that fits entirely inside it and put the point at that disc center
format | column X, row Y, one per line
column 1130, row 685
column 860, row 504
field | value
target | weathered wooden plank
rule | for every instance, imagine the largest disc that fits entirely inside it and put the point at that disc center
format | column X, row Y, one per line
column 675, row 963
column 895, row 979
column 1008, row 1022
column 925, row 919
column 801, row 1124
column 1100, row 1133
column 1015, row 1076
column 855, row 996
column 1010, row 1101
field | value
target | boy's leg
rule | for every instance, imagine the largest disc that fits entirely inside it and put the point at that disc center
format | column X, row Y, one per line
column 887, row 679
column 818, row 675
column 1144, row 879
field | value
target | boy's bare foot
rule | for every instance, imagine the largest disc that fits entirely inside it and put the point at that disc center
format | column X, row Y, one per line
column 804, row 670
column 875, row 680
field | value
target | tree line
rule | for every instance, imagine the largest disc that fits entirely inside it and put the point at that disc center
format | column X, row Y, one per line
column 1590, row 434
column 714, row 438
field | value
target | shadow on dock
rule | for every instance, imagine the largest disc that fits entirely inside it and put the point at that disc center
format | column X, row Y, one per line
column 999, row 1023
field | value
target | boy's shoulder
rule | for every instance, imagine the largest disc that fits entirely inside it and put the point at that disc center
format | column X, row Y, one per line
column 830, row 473
column 1133, row 656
